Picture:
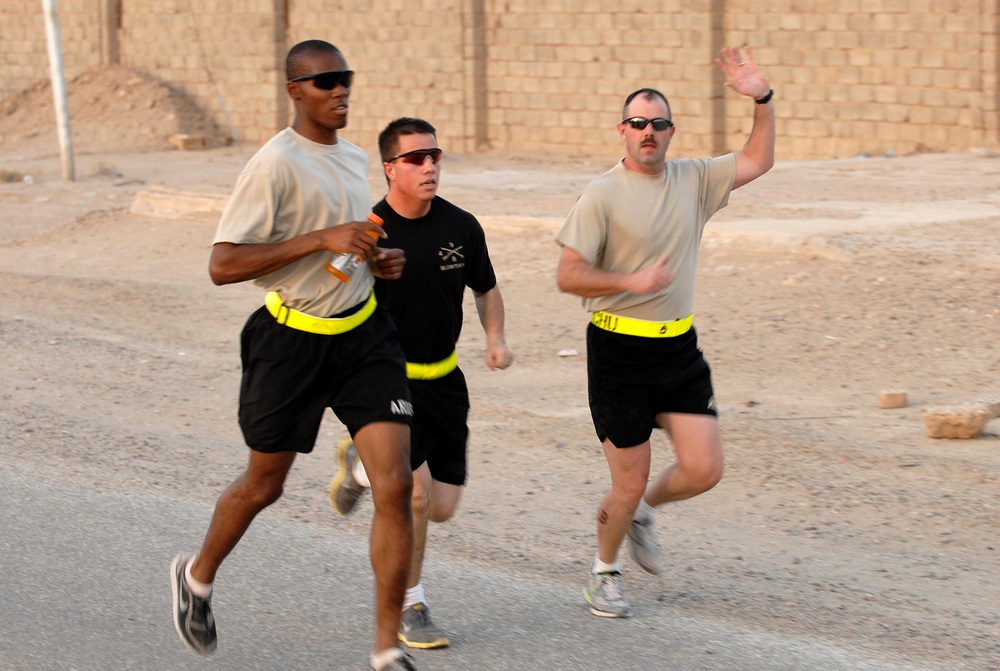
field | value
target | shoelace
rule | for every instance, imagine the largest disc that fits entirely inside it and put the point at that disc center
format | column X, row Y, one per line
column 613, row 585
column 421, row 614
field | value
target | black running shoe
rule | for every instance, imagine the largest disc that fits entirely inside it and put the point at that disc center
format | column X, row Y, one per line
column 192, row 615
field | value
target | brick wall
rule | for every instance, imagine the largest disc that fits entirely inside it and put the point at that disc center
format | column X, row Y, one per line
column 538, row 76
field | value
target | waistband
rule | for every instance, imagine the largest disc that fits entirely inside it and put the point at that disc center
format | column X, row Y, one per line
column 641, row 327
column 432, row 371
column 323, row 326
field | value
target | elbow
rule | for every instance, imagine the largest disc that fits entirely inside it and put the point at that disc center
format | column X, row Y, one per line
column 215, row 273
column 562, row 283
column 219, row 276
column 219, row 267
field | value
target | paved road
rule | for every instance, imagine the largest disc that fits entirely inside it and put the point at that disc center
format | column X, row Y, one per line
column 84, row 585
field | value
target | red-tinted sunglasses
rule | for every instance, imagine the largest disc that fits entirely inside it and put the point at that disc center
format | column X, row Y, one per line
column 418, row 156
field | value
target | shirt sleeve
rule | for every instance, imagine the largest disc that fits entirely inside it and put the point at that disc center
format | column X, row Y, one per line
column 586, row 226
column 249, row 216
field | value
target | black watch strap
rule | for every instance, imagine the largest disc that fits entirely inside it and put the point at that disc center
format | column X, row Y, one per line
column 766, row 99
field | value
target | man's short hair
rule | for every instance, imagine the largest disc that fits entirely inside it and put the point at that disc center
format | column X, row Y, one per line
column 388, row 139
column 293, row 66
column 648, row 94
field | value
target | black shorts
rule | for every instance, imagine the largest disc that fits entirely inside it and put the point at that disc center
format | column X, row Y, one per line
column 633, row 379
column 290, row 377
column 440, row 426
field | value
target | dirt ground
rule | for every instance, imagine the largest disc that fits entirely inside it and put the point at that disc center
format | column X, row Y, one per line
column 822, row 284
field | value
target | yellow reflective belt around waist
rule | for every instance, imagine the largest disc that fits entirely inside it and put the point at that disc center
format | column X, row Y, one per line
column 323, row 326
column 432, row 371
column 641, row 327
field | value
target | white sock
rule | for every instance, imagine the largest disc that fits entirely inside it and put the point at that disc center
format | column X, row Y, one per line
column 601, row 567
column 644, row 513
column 360, row 475
column 414, row 595
column 202, row 590
column 379, row 660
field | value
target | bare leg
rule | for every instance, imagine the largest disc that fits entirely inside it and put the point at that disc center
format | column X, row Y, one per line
column 259, row 486
column 629, row 475
column 433, row 501
column 421, row 504
column 384, row 448
column 699, row 464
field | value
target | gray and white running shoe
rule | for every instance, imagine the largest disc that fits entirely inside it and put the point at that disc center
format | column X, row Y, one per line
column 644, row 547
column 193, row 618
column 604, row 594
column 417, row 630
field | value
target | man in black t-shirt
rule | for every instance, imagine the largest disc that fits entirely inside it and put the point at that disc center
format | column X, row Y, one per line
column 446, row 252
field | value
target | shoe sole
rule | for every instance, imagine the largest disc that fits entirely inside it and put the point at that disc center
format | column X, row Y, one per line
column 177, row 565
column 420, row 645
column 594, row 610
column 340, row 476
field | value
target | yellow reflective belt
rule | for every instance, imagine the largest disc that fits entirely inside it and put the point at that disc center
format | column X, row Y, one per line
column 303, row 322
column 432, row 371
column 641, row 327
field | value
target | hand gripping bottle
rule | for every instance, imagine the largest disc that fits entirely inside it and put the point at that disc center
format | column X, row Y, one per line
column 342, row 266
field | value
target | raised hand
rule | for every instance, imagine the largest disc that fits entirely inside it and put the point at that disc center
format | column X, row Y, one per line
column 742, row 72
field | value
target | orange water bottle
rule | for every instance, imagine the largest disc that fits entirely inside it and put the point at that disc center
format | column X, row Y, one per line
column 342, row 266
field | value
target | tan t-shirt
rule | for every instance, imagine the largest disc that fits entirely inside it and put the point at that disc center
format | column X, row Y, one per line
column 292, row 186
column 625, row 221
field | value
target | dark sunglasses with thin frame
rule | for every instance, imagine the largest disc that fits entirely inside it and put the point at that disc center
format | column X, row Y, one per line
column 418, row 156
column 640, row 123
column 327, row 81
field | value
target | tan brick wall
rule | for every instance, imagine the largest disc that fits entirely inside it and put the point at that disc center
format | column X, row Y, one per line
column 223, row 53
column 550, row 75
column 24, row 55
column 408, row 60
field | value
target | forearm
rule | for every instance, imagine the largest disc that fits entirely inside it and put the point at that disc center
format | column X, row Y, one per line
column 757, row 155
column 576, row 276
column 489, row 305
column 230, row 263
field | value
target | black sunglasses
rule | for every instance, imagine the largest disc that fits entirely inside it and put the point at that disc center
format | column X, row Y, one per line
column 418, row 156
column 640, row 122
column 328, row 81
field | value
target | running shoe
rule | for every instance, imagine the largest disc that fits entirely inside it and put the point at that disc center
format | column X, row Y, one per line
column 604, row 594
column 418, row 631
column 193, row 618
column 344, row 489
column 401, row 663
column 644, row 547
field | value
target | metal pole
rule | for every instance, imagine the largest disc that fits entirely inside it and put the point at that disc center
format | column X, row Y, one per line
column 59, row 88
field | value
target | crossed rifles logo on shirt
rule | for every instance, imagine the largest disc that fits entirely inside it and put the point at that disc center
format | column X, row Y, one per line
column 451, row 253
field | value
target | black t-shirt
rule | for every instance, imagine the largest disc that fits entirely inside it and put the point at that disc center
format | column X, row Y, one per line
column 445, row 252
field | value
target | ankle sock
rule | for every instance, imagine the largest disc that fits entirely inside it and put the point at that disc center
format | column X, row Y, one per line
column 414, row 595
column 202, row 590
column 359, row 474
column 601, row 567
column 379, row 660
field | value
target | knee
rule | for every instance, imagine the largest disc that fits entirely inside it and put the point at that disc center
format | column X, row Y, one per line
column 262, row 493
column 707, row 475
column 393, row 488
column 630, row 491
column 420, row 501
